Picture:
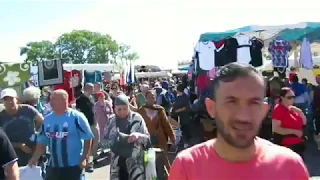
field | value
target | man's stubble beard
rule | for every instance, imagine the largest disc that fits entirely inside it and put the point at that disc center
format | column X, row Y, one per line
column 221, row 133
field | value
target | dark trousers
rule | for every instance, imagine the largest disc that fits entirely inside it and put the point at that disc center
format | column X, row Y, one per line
column 298, row 148
column 64, row 173
column 123, row 171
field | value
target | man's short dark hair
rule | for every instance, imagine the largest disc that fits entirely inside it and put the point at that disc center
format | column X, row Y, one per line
column 180, row 87
column 229, row 73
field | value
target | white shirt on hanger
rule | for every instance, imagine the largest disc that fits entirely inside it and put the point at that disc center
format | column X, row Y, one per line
column 206, row 54
column 243, row 53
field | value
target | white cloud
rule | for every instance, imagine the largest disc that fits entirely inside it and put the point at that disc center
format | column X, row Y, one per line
column 164, row 32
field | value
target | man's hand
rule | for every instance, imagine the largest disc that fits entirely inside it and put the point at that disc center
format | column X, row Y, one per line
column 298, row 133
column 83, row 163
column 295, row 109
column 25, row 149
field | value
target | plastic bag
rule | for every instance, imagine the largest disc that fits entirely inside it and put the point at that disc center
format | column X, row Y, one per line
column 150, row 161
column 27, row 173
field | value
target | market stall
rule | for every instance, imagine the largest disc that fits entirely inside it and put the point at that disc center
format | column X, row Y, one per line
column 253, row 45
column 161, row 74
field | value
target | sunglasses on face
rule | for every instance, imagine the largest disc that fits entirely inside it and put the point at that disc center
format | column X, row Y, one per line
column 290, row 97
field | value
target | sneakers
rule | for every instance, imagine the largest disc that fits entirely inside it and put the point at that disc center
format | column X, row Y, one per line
column 90, row 168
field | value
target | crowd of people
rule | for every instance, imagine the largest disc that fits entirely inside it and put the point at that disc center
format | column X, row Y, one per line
column 45, row 129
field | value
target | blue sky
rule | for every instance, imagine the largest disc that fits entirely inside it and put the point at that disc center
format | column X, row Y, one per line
column 17, row 16
column 161, row 31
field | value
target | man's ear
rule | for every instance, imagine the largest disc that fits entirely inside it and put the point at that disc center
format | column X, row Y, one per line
column 210, row 105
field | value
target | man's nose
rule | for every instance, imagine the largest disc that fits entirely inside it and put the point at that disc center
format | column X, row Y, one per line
column 243, row 113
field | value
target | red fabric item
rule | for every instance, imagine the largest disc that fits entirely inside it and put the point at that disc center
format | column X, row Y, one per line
column 202, row 82
column 290, row 120
column 218, row 44
column 100, row 95
column 291, row 75
column 122, row 79
column 66, row 84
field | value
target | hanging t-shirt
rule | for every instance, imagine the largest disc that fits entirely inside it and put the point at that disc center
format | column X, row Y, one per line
column 279, row 50
column 221, row 53
column 230, row 47
column 243, row 51
column 256, row 53
column 71, row 79
column 92, row 77
column 306, row 55
column 206, row 54
column 202, row 82
column 198, row 70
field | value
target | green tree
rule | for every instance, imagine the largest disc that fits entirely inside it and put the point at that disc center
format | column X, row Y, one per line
column 84, row 46
column 122, row 55
column 79, row 47
column 37, row 51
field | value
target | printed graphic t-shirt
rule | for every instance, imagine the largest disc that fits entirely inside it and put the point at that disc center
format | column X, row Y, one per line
column 206, row 52
column 271, row 162
column 65, row 135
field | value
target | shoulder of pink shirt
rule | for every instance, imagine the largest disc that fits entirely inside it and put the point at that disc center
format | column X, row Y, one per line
column 268, row 152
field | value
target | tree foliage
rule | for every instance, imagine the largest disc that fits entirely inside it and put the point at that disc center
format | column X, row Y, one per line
column 79, row 47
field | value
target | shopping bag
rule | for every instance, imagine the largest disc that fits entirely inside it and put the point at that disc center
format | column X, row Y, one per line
column 150, row 162
column 27, row 173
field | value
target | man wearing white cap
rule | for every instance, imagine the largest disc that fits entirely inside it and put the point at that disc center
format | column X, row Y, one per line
column 19, row 121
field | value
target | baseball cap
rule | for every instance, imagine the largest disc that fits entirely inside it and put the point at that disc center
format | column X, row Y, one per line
column 100, row 95
column 8, row 92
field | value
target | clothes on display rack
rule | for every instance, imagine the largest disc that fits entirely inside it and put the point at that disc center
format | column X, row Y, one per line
column 206, row 54
column 243, row 50
column 279, row 50
column 202, row 82
column 256, row 53
column 71, row 80
column 92, row 77
column 240, row 49
column 306, row 55
column 196, row 68
column 50, row 72
column 14, row 75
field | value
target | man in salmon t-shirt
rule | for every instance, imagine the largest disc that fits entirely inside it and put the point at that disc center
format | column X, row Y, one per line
column 237, row 104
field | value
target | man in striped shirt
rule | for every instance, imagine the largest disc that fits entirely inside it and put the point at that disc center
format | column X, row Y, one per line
column 67, row 134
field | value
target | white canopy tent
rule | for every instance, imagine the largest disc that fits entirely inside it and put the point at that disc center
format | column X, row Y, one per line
column 178, row 72
column 89, row 67
column 161, row 74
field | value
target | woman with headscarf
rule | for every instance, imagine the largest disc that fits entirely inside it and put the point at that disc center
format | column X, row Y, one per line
column 158, row 124
column 126, row 135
